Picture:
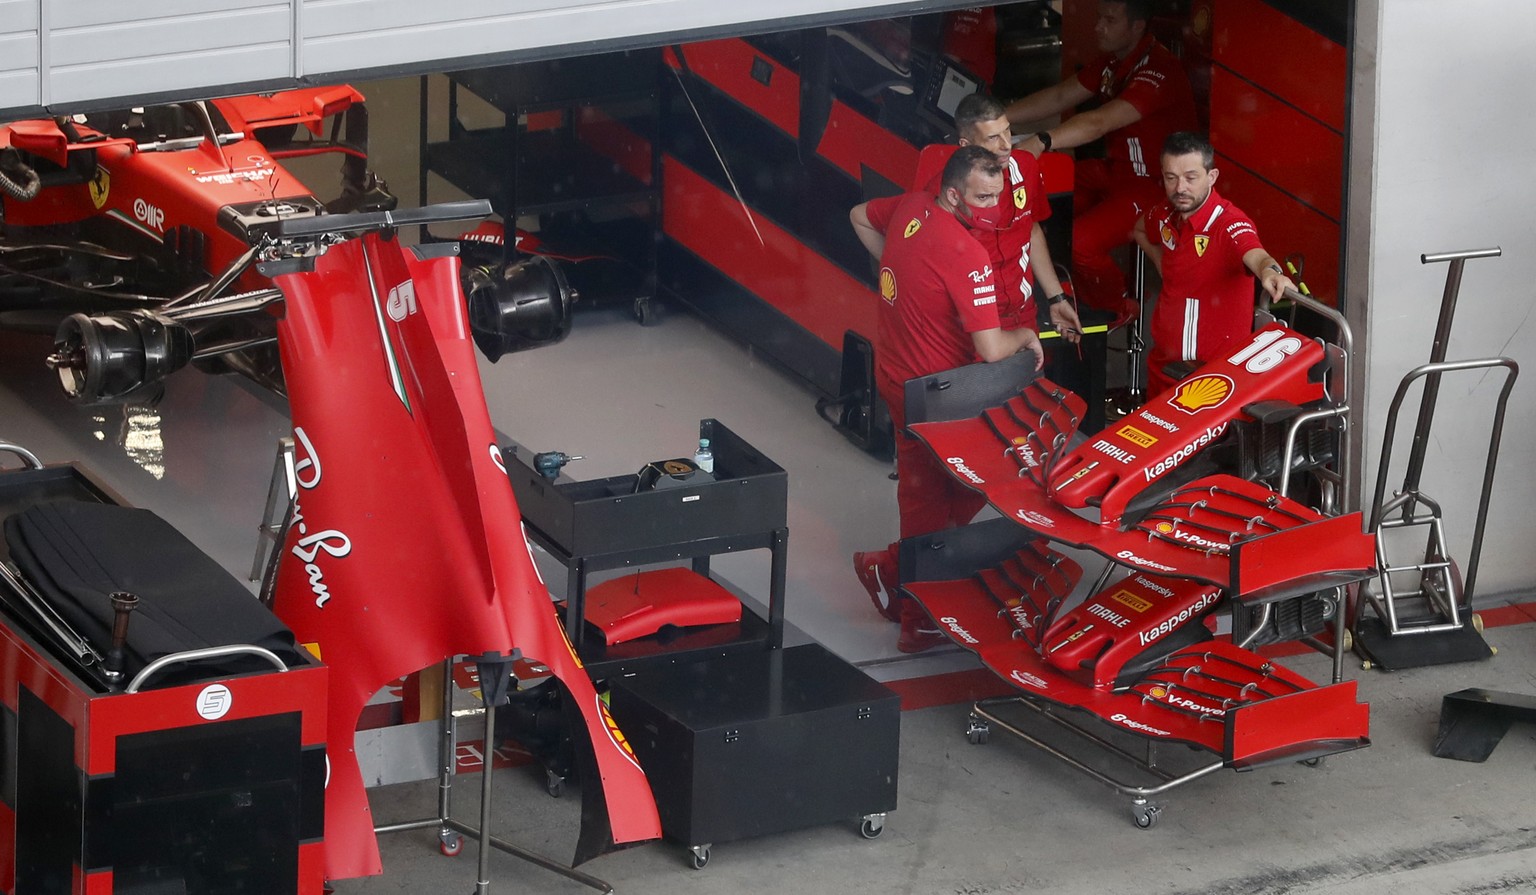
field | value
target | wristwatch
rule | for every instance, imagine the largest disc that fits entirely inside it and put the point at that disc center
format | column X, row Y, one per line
column 1045, row 140
column 1056, row 299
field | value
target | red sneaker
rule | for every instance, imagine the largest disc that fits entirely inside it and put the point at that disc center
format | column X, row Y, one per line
column 918, row 632
column 873, row 568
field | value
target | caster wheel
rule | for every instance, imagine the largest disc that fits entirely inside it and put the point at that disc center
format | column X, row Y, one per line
column 1349, row 641
column 698, row 857
column 450, row 844
column 871, row 827
column 645, row 314
column 1477, row 622
column 1313, row 762
column 1365, row 665
column 1145, row 816
column 977, row 731
column 554, row 784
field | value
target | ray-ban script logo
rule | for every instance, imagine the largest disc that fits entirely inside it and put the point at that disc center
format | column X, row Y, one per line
column 307, row 474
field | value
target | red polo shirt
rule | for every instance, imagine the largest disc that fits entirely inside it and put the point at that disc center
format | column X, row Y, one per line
column 936, row 286
column 1152, row 80
column 1025, row 204
column 1206, row 302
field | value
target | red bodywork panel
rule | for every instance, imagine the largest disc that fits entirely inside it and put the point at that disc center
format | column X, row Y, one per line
column 407, row 546
column 641, row 604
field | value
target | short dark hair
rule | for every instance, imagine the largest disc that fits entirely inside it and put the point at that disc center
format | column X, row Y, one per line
column 966, row 160
column 1136, row 10
column 1184, row 142
column 974, row 109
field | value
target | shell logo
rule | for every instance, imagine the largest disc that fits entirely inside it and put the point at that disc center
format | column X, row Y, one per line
column 1202, row 392
column 1019, row 197
column 1166, row 232
column 1164, row 527
column 887, row 284
column 1159, row 692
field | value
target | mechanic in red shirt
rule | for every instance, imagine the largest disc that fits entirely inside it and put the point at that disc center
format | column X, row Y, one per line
column 1021, row 258
column 1205, row 248
column 1145, row 96
column 938, row 312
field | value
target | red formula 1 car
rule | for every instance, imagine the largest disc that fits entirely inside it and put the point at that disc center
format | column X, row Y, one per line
column 156, row 207
column 160, row 208
column 1217, row 500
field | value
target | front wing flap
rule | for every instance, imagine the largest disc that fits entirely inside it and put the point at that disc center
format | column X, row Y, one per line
column 1212, row 695
column 1006, row 454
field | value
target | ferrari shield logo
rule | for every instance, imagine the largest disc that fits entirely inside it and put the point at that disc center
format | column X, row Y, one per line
column 1200, row 243
column 99, row 186
column 1019, row 197
column 912, row 227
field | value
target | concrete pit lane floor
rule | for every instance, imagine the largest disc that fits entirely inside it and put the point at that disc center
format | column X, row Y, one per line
column 972, row 819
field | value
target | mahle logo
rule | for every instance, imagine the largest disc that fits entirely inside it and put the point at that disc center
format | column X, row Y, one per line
column 1202, row 393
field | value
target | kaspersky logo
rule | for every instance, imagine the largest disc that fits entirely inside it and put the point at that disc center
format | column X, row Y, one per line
column 1202, row 393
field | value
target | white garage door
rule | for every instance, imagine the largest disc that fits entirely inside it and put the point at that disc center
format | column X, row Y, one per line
column 65, row 55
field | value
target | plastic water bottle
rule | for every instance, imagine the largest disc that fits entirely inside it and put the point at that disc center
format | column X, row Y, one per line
column 704, row 458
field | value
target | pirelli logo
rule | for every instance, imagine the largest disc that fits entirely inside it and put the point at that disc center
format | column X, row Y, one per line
column 1131, row 601
column 1136, row 436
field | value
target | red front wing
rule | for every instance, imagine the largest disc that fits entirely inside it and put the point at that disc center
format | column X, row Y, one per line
column 1138, row 654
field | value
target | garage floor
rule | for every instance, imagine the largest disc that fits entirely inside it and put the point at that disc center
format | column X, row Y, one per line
column 995, row 818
